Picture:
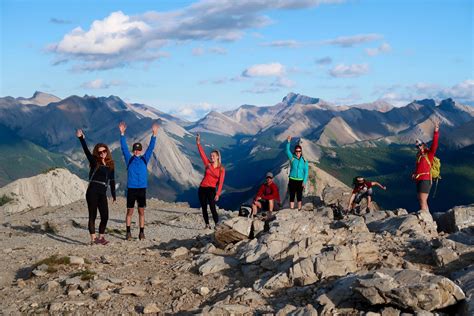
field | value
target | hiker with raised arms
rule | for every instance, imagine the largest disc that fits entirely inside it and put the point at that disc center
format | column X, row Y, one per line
column 298, row 174
column 101, row 175
column 423, row 173
column 362, row 189
column 210, row 188
column 137, row 175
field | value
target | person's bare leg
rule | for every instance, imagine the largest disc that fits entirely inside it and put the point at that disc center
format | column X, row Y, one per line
column 141, row 216
column 270, row 208
column 300, row 205
column 255, row 206
column 369, row 204
column 92, row 237
column 423, row 198
column 128, row 218
column 292, row 205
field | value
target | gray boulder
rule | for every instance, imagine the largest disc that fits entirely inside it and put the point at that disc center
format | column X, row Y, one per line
column 455, row 219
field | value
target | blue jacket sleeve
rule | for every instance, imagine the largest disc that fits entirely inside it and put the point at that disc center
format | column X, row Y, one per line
column 306, row 171
column 150, row 148
column 126, row 154
column 288, row 151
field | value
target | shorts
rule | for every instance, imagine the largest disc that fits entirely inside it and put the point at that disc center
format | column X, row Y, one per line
column 138, row 195
column 265, row 204
column 359, row 196
column 423, row 186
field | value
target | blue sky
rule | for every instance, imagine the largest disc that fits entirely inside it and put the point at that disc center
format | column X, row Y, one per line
column 189, row 57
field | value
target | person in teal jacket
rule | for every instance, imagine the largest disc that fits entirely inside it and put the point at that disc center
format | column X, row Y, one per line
column 298, row 174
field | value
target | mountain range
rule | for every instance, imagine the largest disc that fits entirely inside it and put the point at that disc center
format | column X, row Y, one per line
column 251, row 139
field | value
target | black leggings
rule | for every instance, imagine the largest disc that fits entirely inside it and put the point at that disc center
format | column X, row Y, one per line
column 96, row 197
column 295, row 187
column 206, row 196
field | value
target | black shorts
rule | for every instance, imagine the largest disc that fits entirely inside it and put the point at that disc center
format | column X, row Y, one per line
column 138, row 195
column 423, row 186
column 361, row 195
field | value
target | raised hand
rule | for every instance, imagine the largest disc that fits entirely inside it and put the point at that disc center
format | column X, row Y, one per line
column 436, row 125
column 155, row 128
column 79, row 133
column 289, row 138
column 198, row 138
column 122, row 127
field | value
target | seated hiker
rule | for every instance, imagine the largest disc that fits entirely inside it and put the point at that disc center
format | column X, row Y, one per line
column 266, row 197
column 362, row 189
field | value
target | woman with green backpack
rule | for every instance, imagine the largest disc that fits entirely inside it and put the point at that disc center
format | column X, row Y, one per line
column 423, row 174
column 298, row 174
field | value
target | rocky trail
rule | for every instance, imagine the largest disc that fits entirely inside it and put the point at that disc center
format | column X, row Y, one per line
column 301, row 263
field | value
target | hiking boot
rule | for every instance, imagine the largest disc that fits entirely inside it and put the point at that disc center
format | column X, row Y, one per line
column 141, row 236
column 128, row 236
column 101, row 241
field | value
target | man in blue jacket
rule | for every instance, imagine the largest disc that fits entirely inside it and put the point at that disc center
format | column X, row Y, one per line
column 136, row 177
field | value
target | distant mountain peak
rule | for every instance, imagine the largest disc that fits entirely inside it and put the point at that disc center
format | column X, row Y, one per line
column 295, row 98
column 447, row 105
column 40, row 98
column 426, row 102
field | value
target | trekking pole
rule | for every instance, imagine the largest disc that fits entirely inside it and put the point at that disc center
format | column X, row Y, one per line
column 436, row 189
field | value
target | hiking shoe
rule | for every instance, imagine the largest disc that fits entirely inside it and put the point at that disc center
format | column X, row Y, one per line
column 141, row 236
column 208, row 226
column 101, row 241
column 93, row 242
column 128, row 236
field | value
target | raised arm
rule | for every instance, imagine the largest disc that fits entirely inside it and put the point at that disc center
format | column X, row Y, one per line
column 434, row 145
column 86, row 150
column 123, row 142
column 204, row 158
column 287, row 149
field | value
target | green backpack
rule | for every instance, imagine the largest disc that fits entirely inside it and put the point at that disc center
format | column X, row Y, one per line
column 436, row 169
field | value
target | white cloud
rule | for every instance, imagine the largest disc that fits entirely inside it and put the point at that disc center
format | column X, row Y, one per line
column 283, row 43
column 264, row 70
column 349, row 41
column 120, row 39
column 194, row 112
column 383, row 48
column 283, row 83
column 199, row 51
column 349, row 71
column 100, row 84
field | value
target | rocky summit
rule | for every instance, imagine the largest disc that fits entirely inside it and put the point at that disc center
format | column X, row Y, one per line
column 387, row 262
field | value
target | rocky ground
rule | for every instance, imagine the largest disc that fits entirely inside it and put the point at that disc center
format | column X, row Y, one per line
column 302, row 263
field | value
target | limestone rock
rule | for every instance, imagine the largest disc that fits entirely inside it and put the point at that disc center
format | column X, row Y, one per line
column 216, row 264
column 102, row 296
column 409, row 289
column 336, row 262
column 420, row 224
column 151, row 308
column 228, row 310
column 74, row 260
column 455, row 219
column 233, row 230
column 445, row 255
column 49, row 286
column 181, row 251
column 465, row 279
column 57, row 187
column 203, row 291
column 129, row 290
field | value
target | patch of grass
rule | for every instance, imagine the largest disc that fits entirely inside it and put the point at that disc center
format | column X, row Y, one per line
column 4, row 199
column 49, row 169
column 117, row 231
column 53, row 261
column 50, row 228
column 85, row 275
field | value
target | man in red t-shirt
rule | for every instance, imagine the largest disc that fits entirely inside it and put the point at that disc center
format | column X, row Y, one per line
column 422, row 174
column 362, row 189
column 266, row 196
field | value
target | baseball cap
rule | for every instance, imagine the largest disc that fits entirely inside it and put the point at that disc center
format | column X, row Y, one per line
column 269, row 175
column 137, row 146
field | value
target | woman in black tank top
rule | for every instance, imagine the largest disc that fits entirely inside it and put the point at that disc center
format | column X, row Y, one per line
column 101, row 175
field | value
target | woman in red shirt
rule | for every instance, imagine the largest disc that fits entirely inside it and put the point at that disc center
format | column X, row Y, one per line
column 210, row 188
column 422, row 174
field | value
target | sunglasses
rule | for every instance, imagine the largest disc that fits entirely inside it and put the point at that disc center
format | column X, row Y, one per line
column 102, row 152
column 297, row 151
column 419, row 146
